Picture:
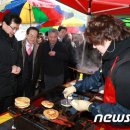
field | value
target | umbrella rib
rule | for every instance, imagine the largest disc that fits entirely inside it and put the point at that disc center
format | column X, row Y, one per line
column 89, row 7
column 81, row 5
column 107, row 10
column 30, row 14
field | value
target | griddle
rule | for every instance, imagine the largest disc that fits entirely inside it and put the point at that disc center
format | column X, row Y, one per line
column 32, row 118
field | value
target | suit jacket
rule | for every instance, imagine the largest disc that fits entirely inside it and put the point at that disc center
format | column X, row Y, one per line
column 22, row 48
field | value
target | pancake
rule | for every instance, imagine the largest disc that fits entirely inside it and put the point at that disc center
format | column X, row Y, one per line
column 47, row 104
column 51, row 113
column 22, row 102
column 22, row 106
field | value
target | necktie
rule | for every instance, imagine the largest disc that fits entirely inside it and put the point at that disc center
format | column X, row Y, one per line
column 29, row 51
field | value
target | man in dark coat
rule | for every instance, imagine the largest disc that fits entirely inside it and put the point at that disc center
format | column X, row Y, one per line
column 9, row 61
column 50, row 60
column 66, row 41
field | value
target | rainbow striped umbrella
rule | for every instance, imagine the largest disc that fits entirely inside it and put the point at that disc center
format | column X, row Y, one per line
column 32, row 11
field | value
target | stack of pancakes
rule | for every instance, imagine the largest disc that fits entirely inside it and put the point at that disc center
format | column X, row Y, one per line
column 22, row 102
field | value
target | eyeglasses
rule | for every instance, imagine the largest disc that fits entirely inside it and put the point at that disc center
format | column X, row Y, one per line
column 13, row 28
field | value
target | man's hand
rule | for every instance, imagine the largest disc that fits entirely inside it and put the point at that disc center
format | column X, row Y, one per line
column 18, row 70
column 81, row 105
column 52, row 53
column 15, row 69
column 68, row 91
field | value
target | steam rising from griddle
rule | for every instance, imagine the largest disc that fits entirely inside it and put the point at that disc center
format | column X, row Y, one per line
column 88, row 59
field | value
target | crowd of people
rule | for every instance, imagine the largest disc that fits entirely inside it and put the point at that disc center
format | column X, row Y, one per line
column 46, row 59
column 39, row 58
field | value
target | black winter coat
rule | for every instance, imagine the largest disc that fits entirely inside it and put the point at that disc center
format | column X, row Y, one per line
column 50, row 65
column 8, row 58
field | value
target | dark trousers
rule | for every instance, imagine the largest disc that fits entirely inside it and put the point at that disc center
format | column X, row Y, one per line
column 28, row 88
column 20, row 87
column 53, row 81
column 5, row 102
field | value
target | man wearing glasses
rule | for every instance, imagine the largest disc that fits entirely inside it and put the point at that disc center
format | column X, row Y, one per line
column 9, row 60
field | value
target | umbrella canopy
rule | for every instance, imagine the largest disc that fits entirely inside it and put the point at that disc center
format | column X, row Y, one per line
column 27, row 12
column 47, row 12
column 32, row 11
column 72, row 22
column 3, row 3
column 76, row 29
column 99, row 6
column 127, row 21
column 42, row 3
column 71, row 17
column 45, row 29
column 70, row 29
column 32, row 14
